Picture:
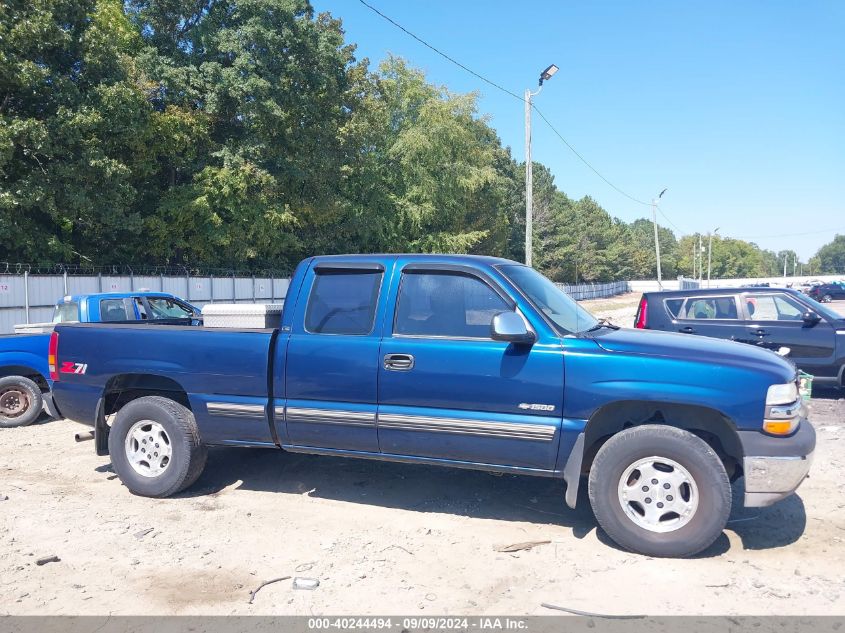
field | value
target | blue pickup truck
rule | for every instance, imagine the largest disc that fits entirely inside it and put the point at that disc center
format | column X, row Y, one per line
column 24, row 376
column 471, row 362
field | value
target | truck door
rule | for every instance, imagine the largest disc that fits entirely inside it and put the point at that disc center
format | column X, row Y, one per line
column 333, row 358
column 776, row 320
column 449, row 391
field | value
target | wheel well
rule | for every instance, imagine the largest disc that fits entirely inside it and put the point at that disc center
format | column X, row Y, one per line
column 124, row 388
column 26, row 372
column 708, row 424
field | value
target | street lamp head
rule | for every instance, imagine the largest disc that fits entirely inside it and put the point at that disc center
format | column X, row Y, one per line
column 548, row 73
column 662, row 192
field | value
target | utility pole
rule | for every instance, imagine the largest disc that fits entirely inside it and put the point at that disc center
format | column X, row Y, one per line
column 693, row 256
column 700, row 260
column 710, row 253
column 656, row 239
column 785, row 257
column 548, row 73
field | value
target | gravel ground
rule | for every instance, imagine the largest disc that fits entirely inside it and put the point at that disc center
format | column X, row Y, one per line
column 386, row 539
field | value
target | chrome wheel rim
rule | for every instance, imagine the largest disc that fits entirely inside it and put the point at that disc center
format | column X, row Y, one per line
column 658, row 494
column 14, row 402
column 148, row 448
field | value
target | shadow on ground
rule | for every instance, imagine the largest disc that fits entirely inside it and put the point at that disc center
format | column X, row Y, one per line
column 476, row 494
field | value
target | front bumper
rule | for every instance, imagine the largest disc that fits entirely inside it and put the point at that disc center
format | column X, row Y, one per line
column 774, row 467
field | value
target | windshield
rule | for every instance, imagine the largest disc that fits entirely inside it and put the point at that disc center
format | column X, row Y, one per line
column 566, row 315
column 66, row 312
column 822, row 309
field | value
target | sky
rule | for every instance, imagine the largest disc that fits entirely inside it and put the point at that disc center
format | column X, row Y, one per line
column 738, row 108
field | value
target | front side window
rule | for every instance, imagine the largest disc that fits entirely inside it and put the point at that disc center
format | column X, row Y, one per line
column 113, row 310
column 773, row 308
column 446, row 304
column 167, row 308
column 66, row 312
column 699, row 308
column 343, row 302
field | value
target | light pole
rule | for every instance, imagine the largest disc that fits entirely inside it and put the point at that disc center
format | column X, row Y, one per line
column 710, row 252
column 656, row 240
column 548, row 73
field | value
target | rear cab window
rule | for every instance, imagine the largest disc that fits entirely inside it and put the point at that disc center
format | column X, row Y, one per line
column 709, row 308
column 343, row 301
column 114, row 310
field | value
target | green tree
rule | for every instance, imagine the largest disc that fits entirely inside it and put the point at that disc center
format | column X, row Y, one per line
column 830, row 258
column 74, row 127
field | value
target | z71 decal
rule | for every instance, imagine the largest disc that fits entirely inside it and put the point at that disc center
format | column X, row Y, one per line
column 74, row 368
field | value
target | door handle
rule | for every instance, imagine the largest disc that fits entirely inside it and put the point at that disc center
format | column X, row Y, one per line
column 398, row 362
column 687, row 330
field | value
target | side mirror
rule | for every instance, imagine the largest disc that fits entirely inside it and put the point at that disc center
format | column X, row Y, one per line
column 810, row 318
column 509, row 326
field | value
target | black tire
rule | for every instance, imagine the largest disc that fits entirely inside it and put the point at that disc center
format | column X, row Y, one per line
column 689, row 451
column 20, row 401
column 188, row 453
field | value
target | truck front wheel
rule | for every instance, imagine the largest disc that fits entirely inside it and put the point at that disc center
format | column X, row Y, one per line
column 20, row 401
column 660, row 491
column 155, row 447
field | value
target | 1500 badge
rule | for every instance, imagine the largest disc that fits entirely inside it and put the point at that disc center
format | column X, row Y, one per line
column 531, row 406
column 73, row 368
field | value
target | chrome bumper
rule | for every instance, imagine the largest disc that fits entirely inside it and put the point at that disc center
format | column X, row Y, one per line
column 770, row 479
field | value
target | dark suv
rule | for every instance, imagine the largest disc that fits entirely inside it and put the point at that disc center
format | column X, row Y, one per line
column 774, row 318
column 827, row 292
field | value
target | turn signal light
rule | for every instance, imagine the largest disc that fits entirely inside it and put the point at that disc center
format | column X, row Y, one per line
column 779, row 427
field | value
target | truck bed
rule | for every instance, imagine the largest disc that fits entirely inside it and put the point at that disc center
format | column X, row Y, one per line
column 224, row 379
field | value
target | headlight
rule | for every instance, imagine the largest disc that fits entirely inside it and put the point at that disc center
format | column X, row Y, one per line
column 782, row 394
column 783, row 409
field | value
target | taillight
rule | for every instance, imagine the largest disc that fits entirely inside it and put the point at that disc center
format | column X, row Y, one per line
column 642, row 314
column 53, row 356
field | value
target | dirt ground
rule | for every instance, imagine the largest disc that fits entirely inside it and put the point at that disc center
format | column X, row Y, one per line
column 385, row 539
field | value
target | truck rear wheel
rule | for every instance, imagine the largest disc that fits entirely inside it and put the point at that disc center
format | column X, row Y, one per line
column 20, row 401
column 155, row 447
column 660, row 491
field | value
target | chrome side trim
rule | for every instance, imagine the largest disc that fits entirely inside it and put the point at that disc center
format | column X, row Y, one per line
column 330, row 416
column 229, row 410
column 507, row 430
column 279, row 413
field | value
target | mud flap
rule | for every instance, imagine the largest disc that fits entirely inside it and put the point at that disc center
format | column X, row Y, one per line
column 101, row 430
column 572, row 471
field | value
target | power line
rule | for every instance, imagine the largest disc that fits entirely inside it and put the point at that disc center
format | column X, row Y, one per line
column 439, row 52
column 506, row 91
column 584, row 160
column 666, row 217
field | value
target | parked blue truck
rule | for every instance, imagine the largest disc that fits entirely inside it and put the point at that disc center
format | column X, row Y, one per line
column 24, row 375
column 472, row 362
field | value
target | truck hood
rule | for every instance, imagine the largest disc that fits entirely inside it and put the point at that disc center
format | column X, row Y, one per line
column 697, row 348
